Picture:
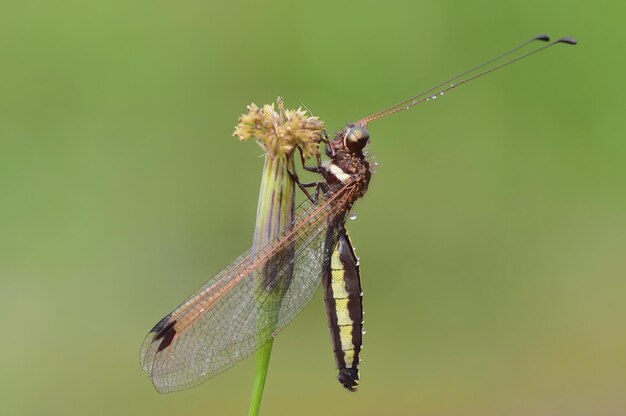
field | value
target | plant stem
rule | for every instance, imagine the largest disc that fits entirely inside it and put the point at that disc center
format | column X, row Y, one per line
column 262, row 365
column 279, row 134
column 275, row 215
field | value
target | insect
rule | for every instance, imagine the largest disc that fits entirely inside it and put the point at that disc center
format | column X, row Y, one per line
column 220, row 323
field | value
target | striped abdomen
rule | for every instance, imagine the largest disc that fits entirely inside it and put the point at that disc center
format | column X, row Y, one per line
column 343, row 300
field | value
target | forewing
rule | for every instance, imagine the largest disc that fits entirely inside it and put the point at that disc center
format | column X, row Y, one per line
column 220, row 324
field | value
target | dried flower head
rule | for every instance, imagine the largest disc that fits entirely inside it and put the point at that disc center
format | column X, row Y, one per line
column 280, row 133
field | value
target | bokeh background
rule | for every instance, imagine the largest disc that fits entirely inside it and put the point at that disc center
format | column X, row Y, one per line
column 492, row 240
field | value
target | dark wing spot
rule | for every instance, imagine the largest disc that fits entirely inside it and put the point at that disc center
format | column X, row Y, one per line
column 161, row 324
column 167, row 335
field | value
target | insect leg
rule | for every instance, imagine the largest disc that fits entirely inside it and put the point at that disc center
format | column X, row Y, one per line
column 329, row 149
column 320, row 186
column 303, row 186
column 315, row 169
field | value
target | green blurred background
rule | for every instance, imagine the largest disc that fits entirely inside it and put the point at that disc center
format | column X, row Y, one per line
column 492, row 240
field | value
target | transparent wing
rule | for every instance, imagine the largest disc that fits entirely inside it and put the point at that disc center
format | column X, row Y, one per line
column 221, row 323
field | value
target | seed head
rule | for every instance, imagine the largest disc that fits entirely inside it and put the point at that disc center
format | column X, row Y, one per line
column 279, row 133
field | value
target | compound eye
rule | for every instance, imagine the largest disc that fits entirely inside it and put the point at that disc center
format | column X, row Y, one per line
column 356, row 138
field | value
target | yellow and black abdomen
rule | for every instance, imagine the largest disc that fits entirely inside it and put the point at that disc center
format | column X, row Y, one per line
column 344, row 308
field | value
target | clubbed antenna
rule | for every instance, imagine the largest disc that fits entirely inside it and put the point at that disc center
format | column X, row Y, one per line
column 449, row 84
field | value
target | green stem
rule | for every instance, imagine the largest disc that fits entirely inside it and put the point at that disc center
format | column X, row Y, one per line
column 262, row 365
column 275, row 215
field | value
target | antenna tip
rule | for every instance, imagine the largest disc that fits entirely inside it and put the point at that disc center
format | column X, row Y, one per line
column 543, row 37
column 568, row 39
